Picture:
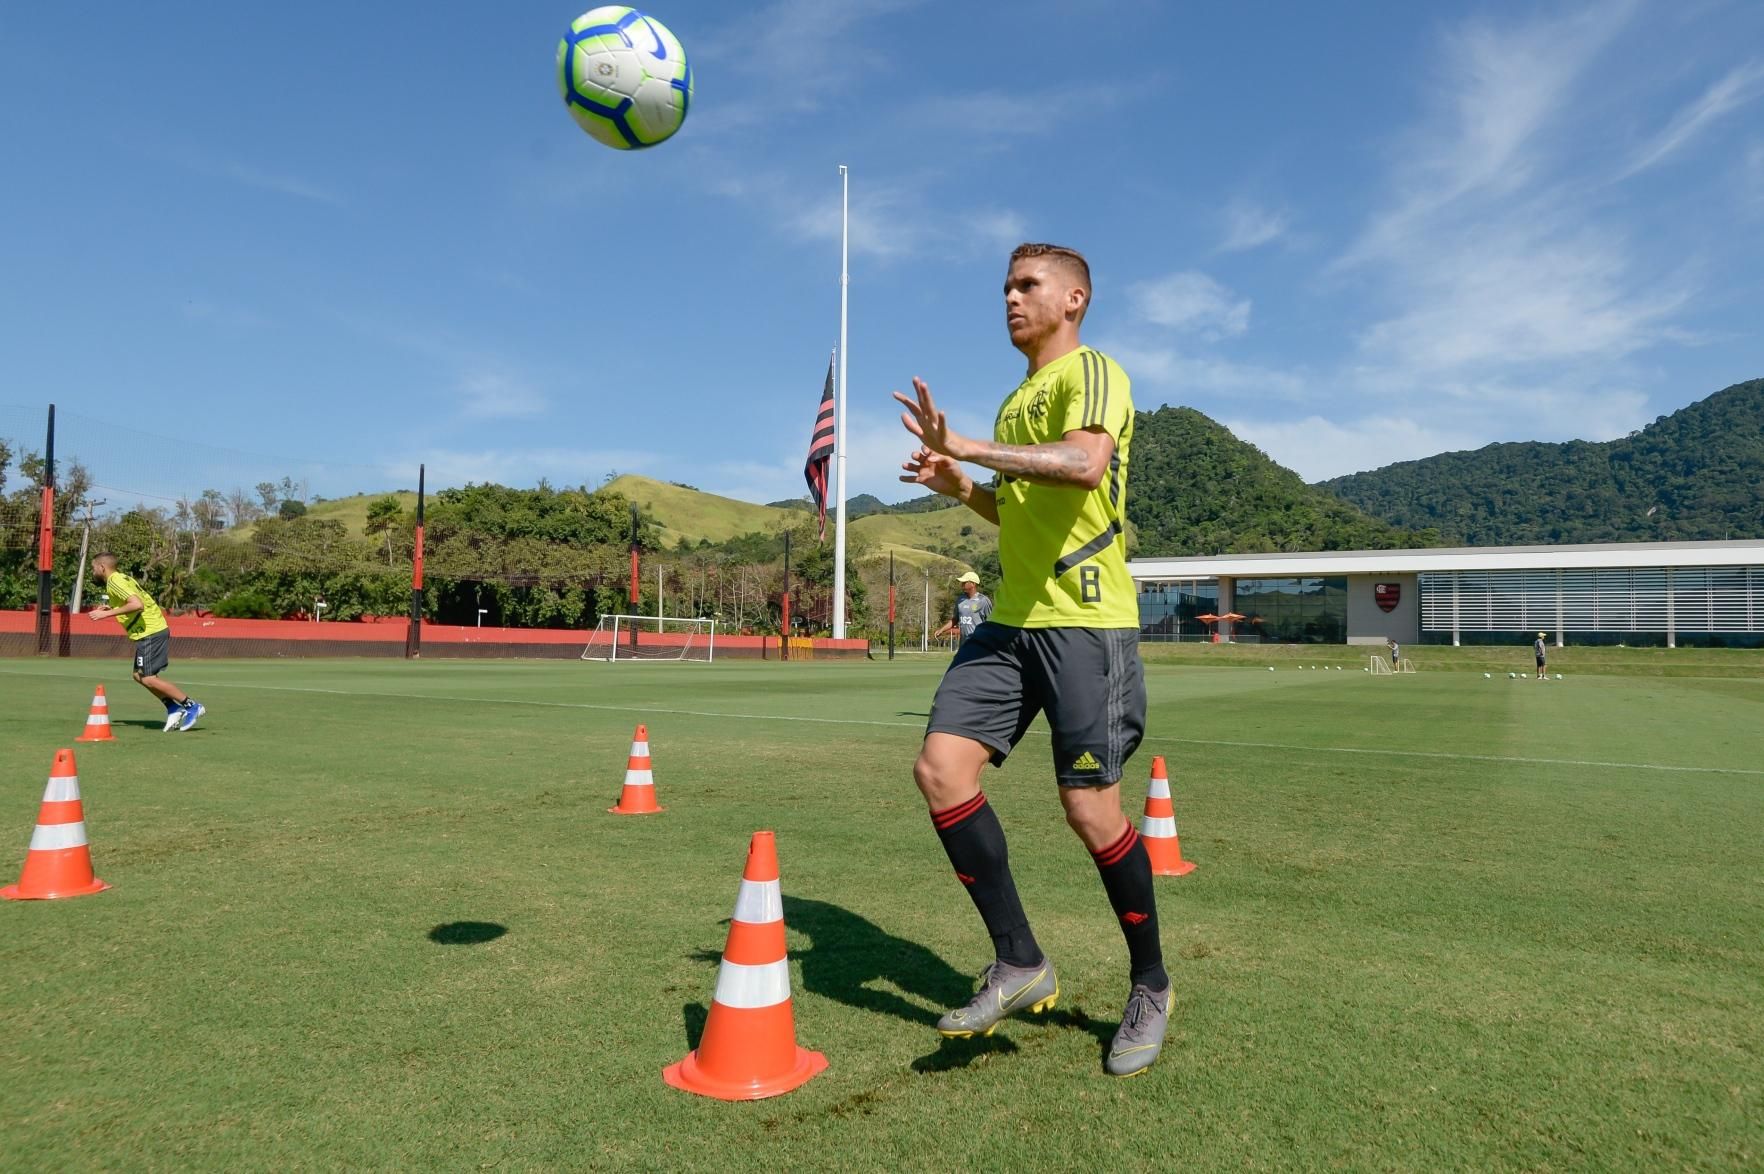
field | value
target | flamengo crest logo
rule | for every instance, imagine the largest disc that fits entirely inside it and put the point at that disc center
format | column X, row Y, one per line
column 1386, row 595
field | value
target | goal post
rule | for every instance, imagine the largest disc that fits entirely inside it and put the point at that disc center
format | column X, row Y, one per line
column 619, row 639
column 1380, row 665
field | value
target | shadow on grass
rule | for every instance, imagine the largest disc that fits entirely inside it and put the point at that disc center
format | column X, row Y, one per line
column 466, row 933
column 694, row 1015
column 157, row 723
column 849, row 953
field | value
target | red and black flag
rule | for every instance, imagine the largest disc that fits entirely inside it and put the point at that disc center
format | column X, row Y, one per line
column 820, row 453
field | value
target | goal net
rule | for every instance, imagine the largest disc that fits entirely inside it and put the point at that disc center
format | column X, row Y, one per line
column 621, row 638
column 1380, row 666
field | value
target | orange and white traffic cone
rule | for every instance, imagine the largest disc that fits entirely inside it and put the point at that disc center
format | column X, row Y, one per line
column 749, row 1050
column 638, row 796
column 59, row 863
column 98, row 721
column 1158, row 828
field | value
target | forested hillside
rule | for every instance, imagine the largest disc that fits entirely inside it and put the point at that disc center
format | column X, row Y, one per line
column 1194, row 488
column 1696, row 474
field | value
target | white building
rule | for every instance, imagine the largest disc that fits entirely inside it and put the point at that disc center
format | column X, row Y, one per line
column 1637, row 593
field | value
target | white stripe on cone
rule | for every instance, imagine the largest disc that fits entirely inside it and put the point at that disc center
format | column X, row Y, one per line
column 51, row 837
column 62, row 790
column 1158, row 827
column 1159, row 789
column 639, row 778
column 751, row 987
column 640, row 750
column 759, row 902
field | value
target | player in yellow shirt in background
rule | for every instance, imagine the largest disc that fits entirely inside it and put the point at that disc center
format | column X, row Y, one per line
column 145, row 624
column 1063, row 639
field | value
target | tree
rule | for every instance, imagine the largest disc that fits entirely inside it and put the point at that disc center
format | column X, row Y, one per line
column 383, row 515
column 291, row 508
column 242, row 508
column 266, row 493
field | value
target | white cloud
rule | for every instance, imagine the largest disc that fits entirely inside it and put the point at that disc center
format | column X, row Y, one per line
column 1514, row 290
column 1191, row 302
column 1317, row 448
column 498, row 395
column 770, row 45
column 246, row 174
column 522, row 466
column 1250, row 226
column 1155, row 367
column 1738, row 87
column 890, row 220
column 1505, row 90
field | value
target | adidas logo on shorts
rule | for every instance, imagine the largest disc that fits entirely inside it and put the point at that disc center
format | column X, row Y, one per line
column 1087, row 761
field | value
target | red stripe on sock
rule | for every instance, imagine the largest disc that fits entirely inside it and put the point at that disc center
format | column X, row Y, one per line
column 950, row 816
column 1115, row 852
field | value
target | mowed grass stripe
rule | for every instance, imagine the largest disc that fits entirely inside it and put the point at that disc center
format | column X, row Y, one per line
column 1545, row 734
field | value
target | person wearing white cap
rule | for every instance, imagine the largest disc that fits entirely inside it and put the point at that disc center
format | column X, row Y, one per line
column 1537, row 649
column 971, row 610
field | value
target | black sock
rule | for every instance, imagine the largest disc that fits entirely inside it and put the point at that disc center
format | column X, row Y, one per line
column 975, row 842
column 1127, row 876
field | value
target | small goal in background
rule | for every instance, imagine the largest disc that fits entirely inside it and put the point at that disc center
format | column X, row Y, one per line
column 649, row 638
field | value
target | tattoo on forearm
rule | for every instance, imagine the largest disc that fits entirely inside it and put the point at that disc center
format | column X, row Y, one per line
column 1058, row 463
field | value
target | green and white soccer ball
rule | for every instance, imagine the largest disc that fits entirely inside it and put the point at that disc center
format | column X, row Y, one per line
column 624, row 77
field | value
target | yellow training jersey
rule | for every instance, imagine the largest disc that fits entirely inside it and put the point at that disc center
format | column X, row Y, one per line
column 1062, row 550
column 118, row 587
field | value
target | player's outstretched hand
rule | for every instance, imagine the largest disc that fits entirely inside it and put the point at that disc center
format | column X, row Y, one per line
column 936, row 472
column 923, row 420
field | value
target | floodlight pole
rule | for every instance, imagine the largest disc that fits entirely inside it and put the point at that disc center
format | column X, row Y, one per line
column 839, row 412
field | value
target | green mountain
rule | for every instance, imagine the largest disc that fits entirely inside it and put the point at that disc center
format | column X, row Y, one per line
column 1696, row 474
column 683, row 514
column 865, row 504
column 1194, row 488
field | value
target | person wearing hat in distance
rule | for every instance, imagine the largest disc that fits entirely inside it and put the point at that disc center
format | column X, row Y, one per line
column 1537, row 649
column 971, row 610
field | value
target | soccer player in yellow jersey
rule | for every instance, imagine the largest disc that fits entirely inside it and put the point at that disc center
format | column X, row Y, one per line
column 140, row 617
column 1063, row 639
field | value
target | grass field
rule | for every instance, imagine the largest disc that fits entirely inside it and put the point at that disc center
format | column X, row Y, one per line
column 375, row 914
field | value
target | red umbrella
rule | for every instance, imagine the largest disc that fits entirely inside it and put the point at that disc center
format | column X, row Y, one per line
column 1207, row 618
column 1230, row 615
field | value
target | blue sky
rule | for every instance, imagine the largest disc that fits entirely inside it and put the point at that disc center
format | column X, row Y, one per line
column 368, row 235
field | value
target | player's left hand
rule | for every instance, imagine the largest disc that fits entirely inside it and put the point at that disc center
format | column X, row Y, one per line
column 923, row 420
column 936, row 472
column 100, row 613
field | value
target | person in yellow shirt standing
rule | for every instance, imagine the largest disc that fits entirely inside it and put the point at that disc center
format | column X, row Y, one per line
column 1063, row 638
column 140, row 617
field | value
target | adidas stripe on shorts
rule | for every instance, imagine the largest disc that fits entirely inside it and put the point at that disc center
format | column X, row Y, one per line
column 1087, row 680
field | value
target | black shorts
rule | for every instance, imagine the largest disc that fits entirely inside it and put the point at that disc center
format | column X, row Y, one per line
column 152, row 654
column 1540, row 662
column 1087, row 680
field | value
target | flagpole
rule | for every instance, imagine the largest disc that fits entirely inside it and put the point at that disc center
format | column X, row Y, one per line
column 839, row 414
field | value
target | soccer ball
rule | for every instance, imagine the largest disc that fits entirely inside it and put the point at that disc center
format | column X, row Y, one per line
column 1485, row 676
column 1558, row 676
column 624, row 77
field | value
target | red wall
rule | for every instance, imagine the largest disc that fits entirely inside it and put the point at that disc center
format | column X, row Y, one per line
column 382, row 631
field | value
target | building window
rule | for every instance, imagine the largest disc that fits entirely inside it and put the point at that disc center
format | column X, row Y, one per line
column 1292, row 611
column 1168, row 609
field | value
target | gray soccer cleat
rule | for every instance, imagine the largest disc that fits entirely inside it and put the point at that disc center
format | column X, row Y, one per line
column 1004, row 990
column 1141, row 1035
